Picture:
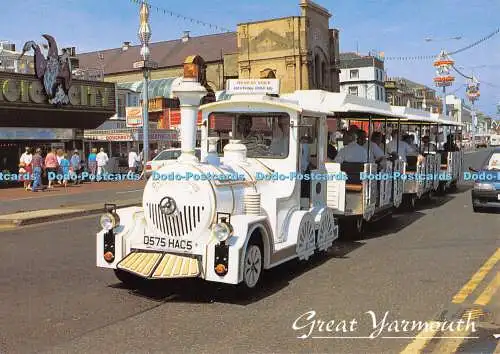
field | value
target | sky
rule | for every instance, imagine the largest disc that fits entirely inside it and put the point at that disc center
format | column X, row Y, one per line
column 397, row 28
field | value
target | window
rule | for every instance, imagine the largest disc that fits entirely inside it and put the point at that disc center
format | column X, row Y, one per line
column 354, row 74
column 353, row 90
column 266, row 135
column 377, row 97
column 317, row 71
column 121, row 106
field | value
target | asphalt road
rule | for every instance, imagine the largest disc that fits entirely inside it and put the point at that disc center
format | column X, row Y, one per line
column 44, row 200
column 54, row 299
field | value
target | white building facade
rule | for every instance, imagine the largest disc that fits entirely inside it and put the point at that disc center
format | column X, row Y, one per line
column 461, row 112
column 362, row 76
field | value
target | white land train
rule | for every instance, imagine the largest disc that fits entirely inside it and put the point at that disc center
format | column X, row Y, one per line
column 223, row 231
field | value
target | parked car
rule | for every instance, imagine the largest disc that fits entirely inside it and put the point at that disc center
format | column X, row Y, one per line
column 486, row 191
column 163, row 158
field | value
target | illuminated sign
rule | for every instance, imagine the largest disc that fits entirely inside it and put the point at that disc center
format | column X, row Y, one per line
column 16, row 89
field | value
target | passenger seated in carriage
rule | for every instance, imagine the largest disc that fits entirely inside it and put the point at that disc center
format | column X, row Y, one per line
column 376, row 148
column 450, row 145
column 331, row 151
column 427, row 146
column 353, row 152
column 400, row 147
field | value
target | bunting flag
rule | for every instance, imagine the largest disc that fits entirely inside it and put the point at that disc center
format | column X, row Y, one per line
column 185, row 18
column 431, row 57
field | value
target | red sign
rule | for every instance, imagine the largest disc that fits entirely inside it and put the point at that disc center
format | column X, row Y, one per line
column 174, row 118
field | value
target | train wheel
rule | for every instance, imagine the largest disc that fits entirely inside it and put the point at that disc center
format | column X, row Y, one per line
column 412, row 202
column 253, row 265
column 442, row 189
column 358, row 226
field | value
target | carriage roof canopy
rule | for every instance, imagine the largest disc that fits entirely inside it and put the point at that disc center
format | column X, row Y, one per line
column 342, row 105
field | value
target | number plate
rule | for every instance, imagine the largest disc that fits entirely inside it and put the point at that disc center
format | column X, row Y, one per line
column 164, row 242
column 498, row 196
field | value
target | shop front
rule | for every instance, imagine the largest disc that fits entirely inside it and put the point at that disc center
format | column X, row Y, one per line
column 118, row 143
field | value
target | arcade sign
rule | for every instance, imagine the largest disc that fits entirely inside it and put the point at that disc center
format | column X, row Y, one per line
column 253, row 86
column 26, row 90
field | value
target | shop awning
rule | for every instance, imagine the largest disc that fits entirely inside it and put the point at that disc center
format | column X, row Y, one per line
column 156, row 88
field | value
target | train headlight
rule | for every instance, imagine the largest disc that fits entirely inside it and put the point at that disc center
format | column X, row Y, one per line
column 222, row 231
column 109, row 221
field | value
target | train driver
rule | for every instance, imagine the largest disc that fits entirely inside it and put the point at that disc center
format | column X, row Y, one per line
column 254, row 143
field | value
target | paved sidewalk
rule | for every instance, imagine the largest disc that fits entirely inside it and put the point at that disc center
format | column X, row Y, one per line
column 45, row 215
column 15, row 200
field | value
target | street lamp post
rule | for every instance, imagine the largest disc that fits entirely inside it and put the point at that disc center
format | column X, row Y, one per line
column 146, row 64
column 473, row 95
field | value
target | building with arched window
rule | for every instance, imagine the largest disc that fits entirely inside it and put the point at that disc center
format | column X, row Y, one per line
column 302, row 51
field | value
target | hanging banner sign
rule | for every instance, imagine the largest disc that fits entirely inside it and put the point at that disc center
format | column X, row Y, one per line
column 253, row 86
column 36, row 134
column 134, row 117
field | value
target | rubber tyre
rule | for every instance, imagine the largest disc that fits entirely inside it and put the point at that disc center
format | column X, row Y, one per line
column 477, row 209
column 253, row 266
column 412, row 203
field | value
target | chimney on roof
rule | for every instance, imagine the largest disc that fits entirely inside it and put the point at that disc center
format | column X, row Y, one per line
column 125, row 46
column 185, row 36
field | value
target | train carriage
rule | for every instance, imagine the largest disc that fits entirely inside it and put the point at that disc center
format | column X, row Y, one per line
column 363, row 196
column 421, row 177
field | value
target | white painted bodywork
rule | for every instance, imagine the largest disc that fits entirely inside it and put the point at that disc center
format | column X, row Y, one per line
column 287, row 231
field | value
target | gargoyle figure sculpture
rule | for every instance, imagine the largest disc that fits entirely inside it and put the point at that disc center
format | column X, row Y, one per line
column 55, row 70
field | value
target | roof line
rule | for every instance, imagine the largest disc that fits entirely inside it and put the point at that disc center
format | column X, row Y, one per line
column 155, row 43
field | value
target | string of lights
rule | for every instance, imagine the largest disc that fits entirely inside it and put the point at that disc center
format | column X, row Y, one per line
column 185, row 18
column 431, row 57
column 462, row 74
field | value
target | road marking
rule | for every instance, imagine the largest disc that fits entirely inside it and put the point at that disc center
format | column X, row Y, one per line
column 451, row 346
column 135, row 190
column 488, row 293
column 476, row 278
column 422, row 338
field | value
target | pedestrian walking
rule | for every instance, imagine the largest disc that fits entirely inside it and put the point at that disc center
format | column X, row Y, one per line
column 133, row 161
column 59, row 155
column 37, row 165
column 65, row 169
column 26, row 168
column 92, row 163
column 51, row 165
column 75, row 166
column 102, row 160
